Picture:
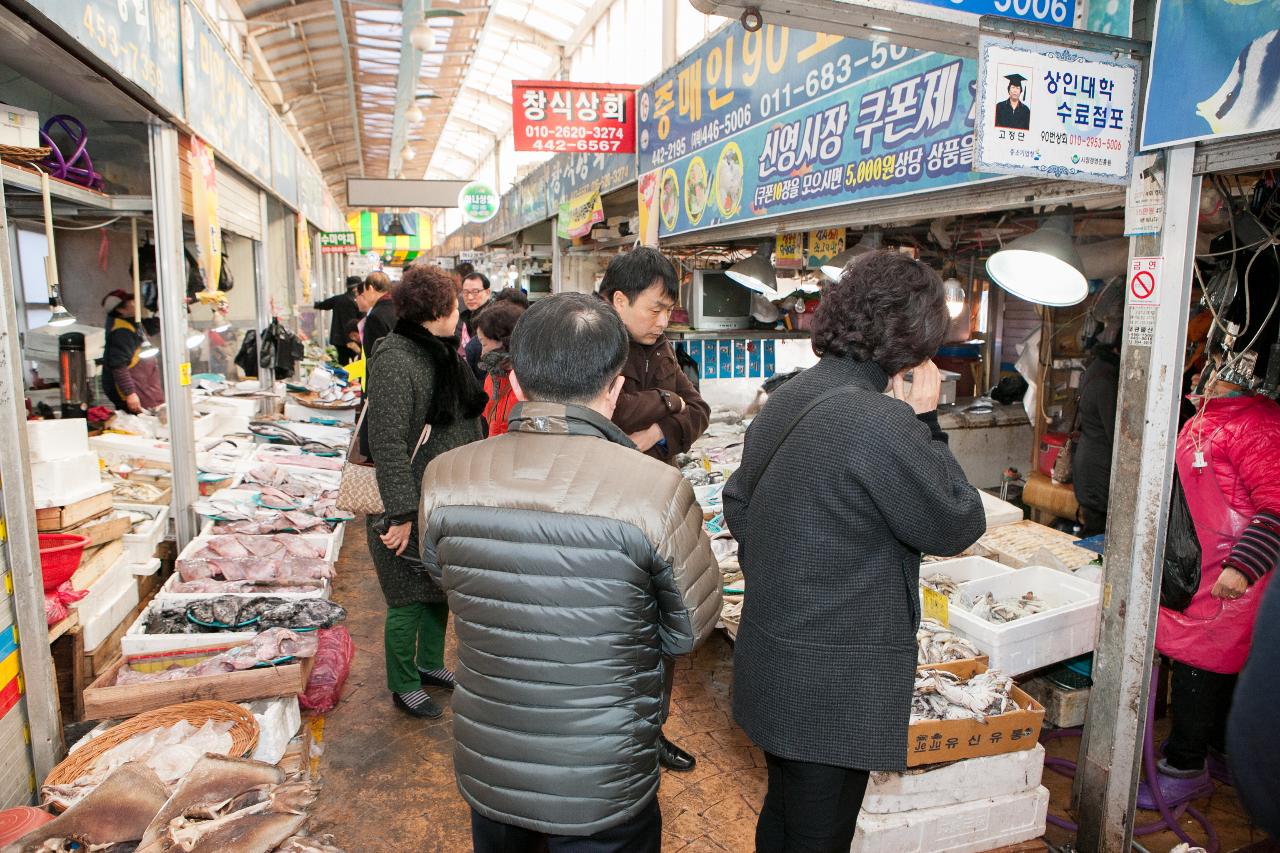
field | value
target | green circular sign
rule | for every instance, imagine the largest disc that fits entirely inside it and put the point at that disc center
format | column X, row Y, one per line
column 478, row 202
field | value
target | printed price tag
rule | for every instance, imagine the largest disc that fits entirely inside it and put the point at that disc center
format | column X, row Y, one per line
column 936, row 606
column 184, row 373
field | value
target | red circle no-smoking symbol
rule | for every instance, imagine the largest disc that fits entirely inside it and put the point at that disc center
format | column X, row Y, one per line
column 1142, row 285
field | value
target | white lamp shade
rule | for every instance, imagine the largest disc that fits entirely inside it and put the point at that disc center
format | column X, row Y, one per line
column 1042, row 267
column 414, row 114
column 61, row 316
column 407, row 153
column 149, row 350
column 755, row 273
column 422, row 36
column 869, row 241
column 195, row 339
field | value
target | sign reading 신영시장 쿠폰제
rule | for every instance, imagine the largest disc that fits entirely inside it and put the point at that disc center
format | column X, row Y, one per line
column 1215, row 72
column 757, row 125
column 554, row 115
column 1055, row 112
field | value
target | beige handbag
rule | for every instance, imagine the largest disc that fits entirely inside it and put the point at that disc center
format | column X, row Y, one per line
column 358, row 490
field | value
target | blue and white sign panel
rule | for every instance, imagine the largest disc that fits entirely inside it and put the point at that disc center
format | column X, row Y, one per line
column 1052, row 112
column 1060, row 13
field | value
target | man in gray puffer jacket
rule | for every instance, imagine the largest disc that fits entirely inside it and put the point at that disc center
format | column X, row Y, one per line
column 572, row 564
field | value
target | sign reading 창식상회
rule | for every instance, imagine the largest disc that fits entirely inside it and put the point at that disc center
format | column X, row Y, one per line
column 1051, row 111
column 553, row 115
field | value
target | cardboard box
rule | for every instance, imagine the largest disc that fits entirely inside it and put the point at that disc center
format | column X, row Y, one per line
column 936, row 741
column 18, row 127
column 103, row 700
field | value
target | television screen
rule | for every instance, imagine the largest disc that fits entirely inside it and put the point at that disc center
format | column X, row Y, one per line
column 397, row 224
column 723, row 297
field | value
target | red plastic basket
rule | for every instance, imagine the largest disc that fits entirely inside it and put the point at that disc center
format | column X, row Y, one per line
column 60, row 557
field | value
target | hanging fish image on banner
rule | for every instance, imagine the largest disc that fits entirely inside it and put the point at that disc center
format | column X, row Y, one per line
column 1215, row 71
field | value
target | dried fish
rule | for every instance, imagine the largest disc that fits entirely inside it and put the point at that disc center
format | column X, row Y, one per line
column 942, row 695
column 988, row 607
column 943, row 583
column 117, row 811
column 937, row 644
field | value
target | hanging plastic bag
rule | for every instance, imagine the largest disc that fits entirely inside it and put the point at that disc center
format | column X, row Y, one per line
column 55, row 603
column 334, row 653
column 1180, row 575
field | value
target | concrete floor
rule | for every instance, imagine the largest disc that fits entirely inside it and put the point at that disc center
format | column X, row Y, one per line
column 388, row 778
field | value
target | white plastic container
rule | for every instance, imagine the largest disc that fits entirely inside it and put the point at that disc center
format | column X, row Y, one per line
column 959, row 828
column 964, row 569
column 999, row 513
column 140, row 547
column 137, row 642
column 96, row 630
column 331, row 552
column 145, row 570
column 958, row 782
column 103, row 592
column 1065, row 629
column 57, row 439
column 167, row 594
column 324, row 540
column 299, row 412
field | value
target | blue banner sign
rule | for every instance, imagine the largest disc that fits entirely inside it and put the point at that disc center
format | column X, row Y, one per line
column 1060, row 13
column 571, row 174
column 284, row 163
column 223, row 107
column 137, row 38
column 791, row 121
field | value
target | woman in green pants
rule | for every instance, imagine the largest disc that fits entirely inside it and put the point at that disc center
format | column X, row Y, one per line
column 422, row 400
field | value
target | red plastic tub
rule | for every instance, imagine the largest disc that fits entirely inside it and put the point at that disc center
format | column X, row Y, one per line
column 1051, row 444
column 60, row 557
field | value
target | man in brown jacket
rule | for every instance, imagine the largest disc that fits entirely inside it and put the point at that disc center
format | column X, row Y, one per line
column 658, row 408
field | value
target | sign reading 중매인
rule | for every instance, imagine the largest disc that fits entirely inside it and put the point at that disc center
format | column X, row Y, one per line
column 1051, row 111
column 478, row 202
column 552, row 115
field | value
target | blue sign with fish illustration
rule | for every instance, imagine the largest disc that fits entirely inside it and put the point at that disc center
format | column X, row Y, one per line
column 790, row 121
column 1215, row 71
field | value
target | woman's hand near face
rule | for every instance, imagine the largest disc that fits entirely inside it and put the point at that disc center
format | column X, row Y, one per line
column 926, row 387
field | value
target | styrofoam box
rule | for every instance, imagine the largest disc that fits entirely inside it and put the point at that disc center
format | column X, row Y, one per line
column 298, row 412
column 140, row 547
column 999, row 513
column 166, row 593
column 97, row 629
column 959, row 828
column 53, row 478
column 49, row 440
column 137, row 642
column 105, row 590
column 324, row 540
column 71, row 496
column 245, row 407
column 964, row 569
column 331, row 551
column 19, row 127
column 1062, row 631
column 958, row 782
column 115, row 447
column 339, row 435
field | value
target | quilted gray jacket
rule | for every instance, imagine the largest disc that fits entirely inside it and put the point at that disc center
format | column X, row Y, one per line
column 572, row 563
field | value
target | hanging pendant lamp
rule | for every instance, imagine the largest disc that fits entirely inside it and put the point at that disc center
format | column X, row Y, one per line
column 1043, row 267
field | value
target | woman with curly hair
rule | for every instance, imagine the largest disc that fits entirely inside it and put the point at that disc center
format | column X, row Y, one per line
column 494, row 326
column 417, row 388
column 825, row 659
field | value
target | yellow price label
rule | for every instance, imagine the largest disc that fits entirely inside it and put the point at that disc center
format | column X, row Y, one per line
column 935, row 606
column 184, row 373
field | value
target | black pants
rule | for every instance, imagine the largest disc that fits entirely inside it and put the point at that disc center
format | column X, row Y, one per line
column 810, row 808
column 1093, row 521
column 1199, row 703
column 641, row 834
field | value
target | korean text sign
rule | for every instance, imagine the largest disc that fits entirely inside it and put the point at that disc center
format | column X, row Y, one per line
column 553, row 115
column 755, row 125
column 1050, row 111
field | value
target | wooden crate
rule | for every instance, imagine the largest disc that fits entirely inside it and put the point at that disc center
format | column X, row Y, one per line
column 102, row 700
column 57, row 518
column 101, row 529
column 95, row 563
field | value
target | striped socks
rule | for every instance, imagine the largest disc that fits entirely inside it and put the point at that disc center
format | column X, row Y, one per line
column 441, row 677
column 415, row 699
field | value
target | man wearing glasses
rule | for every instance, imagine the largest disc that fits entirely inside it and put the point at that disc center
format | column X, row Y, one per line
column 475, row 296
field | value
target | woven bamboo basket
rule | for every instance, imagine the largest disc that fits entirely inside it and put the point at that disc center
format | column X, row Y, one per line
column 14, row 152
column 244, row 734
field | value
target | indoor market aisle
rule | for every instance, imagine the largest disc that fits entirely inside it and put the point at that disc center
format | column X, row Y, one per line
column 388, row 779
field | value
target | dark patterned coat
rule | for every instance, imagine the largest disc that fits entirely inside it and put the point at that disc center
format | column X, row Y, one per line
column 831, row 541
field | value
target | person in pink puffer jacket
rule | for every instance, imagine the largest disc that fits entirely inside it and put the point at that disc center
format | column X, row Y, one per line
column 1228, row 460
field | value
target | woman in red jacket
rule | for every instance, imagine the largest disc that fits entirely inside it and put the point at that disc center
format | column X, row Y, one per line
column 494, row 326
column 1228, row 460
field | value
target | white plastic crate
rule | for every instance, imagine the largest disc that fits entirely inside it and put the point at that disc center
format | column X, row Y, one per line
column 166, row 593
column 959, row 828
column 1065, row 629
column 98, row 628
column 137, row 642
column 998, row 512
column 958, row 782
column 335, row 537
column 299, row 412
column 322, row 540
column 145, row 570
column 964, row 569
column 140, row 547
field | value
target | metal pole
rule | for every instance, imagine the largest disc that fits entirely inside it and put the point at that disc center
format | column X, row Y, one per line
column 262, row 283
column 173, row 324
column 1141, row 473
column 23, row 543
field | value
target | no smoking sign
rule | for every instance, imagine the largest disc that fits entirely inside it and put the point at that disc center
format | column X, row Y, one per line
column 1143, row 297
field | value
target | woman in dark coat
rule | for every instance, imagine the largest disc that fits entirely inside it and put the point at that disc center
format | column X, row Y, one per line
column 831, row 529
column 415, row 379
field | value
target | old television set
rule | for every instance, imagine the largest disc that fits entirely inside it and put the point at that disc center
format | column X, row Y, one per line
column 538, row 285
column 716, row 302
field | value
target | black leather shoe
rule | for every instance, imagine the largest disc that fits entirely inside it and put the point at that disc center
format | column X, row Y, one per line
column 427, row 680
column 426, row 709
column 673, row 757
